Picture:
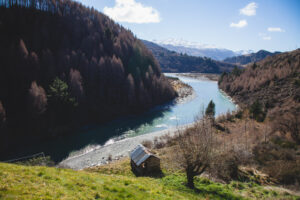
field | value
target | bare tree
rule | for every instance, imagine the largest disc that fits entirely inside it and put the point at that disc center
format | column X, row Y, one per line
column 37, row 99
column 289, row 123
column 22, row 49
column 195, row 149
column 2, row 115
column 76, row 84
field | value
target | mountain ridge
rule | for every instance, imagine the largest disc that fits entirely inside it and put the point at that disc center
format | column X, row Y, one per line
column 202, row 50
column 249, row 58
column 273, row 86
column 171, row 61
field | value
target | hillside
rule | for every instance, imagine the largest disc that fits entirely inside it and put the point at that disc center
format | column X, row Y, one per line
column 64, row 65
column 249, row 58
column 171, row 61
column 273, row 86
column 116, row 181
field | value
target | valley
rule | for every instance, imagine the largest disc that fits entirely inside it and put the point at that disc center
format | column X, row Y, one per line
column 96, row 103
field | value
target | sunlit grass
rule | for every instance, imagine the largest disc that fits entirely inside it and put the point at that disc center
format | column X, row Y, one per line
column 116, row 181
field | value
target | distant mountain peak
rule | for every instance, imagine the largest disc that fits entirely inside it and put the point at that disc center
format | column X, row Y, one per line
column 198, row 49
column 171, row 61
column 185, row 43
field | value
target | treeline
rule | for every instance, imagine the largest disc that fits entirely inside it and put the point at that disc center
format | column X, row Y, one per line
column 270, row 88
column 171, row 61
column 63, row 64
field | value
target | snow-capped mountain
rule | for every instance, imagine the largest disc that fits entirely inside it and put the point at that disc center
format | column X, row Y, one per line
column 184, row 43
column 197, row 49
column 244, row 52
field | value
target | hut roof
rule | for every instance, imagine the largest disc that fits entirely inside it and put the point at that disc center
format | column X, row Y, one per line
column 140, row 154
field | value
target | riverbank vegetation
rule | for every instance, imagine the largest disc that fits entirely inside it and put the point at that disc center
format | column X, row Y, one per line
column 236, row 148
column 64, row 65
column 183, row 90
column 259, row 142
column 269, row 94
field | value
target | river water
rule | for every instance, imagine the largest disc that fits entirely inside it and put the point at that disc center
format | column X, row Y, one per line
column 159, row 118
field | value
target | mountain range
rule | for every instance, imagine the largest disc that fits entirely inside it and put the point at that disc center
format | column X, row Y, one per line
column 171, row 61
column 202, row 50
column 249, row 58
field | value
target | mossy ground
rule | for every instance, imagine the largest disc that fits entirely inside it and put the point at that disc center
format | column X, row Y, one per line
column 116, row 181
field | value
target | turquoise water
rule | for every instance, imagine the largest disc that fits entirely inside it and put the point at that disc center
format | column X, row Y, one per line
column 184, row 113
column 159, row 118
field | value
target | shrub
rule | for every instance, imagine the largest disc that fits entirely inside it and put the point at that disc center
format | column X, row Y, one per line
column 257, row 112
column 239, row 114
column 148, row 144
column 225, row 166
column 297, row 82
column 38, row 161
column 211, row 109
column 237, row 71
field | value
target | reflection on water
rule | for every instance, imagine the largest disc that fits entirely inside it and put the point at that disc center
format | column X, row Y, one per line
column 159, row 118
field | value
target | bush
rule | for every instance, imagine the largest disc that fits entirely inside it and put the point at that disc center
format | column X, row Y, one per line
column 237, row 71
column 283, row 143
column 239, row 114
column 225, row 166
column 257, row 112
column 211, row 109
column 278, row 160
column 148, row 144
column 286, row 172
column 38, row 161
column 297, row 82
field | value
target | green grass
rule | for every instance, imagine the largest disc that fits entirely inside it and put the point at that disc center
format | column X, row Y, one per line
column 115, row 182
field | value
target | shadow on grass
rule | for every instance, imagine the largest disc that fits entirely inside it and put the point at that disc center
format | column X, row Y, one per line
column 152, row 174
column 216, row 192
column 203, row 187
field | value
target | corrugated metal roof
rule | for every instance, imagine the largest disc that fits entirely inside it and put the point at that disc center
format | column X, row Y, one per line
column 139, row 154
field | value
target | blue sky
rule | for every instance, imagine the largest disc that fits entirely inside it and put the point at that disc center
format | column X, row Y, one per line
column 273, row 25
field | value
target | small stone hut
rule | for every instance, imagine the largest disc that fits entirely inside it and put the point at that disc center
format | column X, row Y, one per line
column 143, row 162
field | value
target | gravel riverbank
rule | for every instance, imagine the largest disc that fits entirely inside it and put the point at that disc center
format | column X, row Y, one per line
column 99, row 155
column 114, row 151
column 202, row 76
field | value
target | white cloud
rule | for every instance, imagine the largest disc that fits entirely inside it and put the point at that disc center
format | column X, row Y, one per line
column 249, row 10
column 240, row 24
column 264, row 36
column 275, row 29
column 132, row 12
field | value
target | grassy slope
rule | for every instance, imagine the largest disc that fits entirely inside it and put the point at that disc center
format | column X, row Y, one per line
column 114, row 182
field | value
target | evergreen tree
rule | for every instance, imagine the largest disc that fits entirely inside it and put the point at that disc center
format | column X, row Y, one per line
column 59, row 96
column 210, row 110
column 257, row 112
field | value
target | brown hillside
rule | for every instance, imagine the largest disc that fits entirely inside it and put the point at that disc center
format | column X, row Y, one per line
column 273, row 82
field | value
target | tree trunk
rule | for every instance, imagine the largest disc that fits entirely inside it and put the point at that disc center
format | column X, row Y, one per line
column 190, row 179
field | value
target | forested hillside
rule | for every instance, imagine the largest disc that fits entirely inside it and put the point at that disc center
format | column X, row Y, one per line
column 272, row 88
column 249, row 58
column 171, row 61
column 63, row 65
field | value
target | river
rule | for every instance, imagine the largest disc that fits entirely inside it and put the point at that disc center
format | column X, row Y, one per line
column 159, row 118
